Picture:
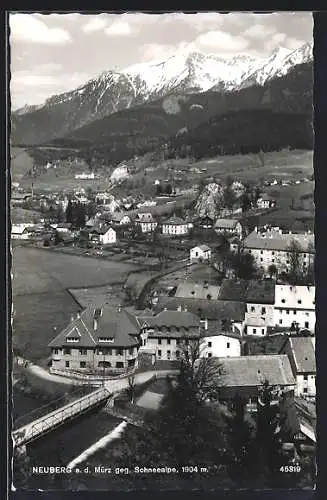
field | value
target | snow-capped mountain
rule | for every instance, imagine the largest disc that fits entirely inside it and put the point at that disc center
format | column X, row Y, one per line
column 280, row 63
column 185, row 72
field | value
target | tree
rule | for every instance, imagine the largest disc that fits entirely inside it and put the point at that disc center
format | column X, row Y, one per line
column 169, row 189
column 294, row 260
column 79, row 215
column 246, row 202
column 189, row 430
column 272, row 270
column 158, row 189
column 241, row 463
column 69, row 212
column 268, row 435
column 243, row 265
column 131, row 388
column 229, row 195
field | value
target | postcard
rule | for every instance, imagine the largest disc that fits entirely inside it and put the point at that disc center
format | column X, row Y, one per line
column 162, row 241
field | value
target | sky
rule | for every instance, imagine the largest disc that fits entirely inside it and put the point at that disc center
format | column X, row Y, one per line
column 55, row 53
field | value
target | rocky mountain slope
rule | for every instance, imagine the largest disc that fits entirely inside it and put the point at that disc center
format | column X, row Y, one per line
column 184, row 73
column 279, row 110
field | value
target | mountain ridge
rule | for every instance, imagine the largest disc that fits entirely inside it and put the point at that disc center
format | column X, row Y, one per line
column 114, row 91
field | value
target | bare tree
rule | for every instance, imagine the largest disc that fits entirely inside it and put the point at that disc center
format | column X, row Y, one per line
column 131, row 388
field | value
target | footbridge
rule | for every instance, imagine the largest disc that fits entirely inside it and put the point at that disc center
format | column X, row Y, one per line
column 56, row 418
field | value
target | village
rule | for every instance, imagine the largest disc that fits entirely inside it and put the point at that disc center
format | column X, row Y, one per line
column 243, row 293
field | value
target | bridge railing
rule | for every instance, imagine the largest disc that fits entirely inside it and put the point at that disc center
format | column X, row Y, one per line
column 86, row 377
column 38, row 427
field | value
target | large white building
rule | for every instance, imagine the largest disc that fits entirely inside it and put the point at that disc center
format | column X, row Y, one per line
column 146, row 222
column 295, row 305
column 260, row 302
column 273, row 247
column 223, row 345
column 200, row 253
column 175, row 226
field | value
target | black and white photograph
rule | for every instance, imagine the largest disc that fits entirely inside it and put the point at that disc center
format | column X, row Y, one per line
column 162, row 243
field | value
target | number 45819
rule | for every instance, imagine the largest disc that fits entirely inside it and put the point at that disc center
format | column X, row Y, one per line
column 290, row 468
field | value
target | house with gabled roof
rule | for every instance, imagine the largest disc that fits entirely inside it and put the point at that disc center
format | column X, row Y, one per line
column 200, row 253
column 101, row 234
column 166, row 333
column 301, row 353
column 175, row 226
column 229, row 227
column 245, row 375
column 260, row 301
column 146, row 222
column 99, row 339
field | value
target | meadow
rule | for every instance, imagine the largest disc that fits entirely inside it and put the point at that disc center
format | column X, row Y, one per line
column 42, row 305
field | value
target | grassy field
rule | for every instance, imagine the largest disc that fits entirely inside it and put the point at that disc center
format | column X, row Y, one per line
column 21, row 163
column 42, row 305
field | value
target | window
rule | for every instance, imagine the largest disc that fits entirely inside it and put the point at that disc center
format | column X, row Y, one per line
column 305, row 390
column 252, row 309
column 306, row 324
column 283, row 301
column 168, row 341
column 83, row 352
column 177, row 354
column 280, row 321
column 67, row 351
column 287, row 262
column 159, row 341
column 294, row 312
column 299, row 301
column 209, row 344
column 72, row 339
column 263, row 310
column 254, row 330
column 262, row 331
column 228, row 345
column 82, row 364
column 106, row 339
column 261, row 252
column 159, row 353
column 67, row 364
column 287, row 311
column 119, row 352
column 261, row 260
column 178, row 341
column 119, row 364
column 168, row 354
column 272, row 253
column 272, row 260
column 209, row 354
column 305, row 377
column 55, row 351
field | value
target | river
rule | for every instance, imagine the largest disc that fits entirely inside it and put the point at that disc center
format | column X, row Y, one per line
column 62, row 445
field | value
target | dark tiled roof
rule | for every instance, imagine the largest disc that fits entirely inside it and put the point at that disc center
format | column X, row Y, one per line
column 245, row 371
column 210, row 309
column 178, row 319
column 279, row 242
column 175, row 221
column 233, row 290
column 261, row 292
column 304, row 354
column 120, row 325
column 191, row 290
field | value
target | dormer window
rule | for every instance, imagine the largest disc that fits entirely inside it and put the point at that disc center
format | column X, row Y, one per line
column 72, row 339
column 299, row 301
column 283, row 301
column 106, row 339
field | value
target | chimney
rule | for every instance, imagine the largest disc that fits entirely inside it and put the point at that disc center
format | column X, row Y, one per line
column 78, row 314
column 95, row 324
column 72, row 317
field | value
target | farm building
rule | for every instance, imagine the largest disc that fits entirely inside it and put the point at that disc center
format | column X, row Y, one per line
column 229, row 226
column 200, row 253
column 295, row 304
